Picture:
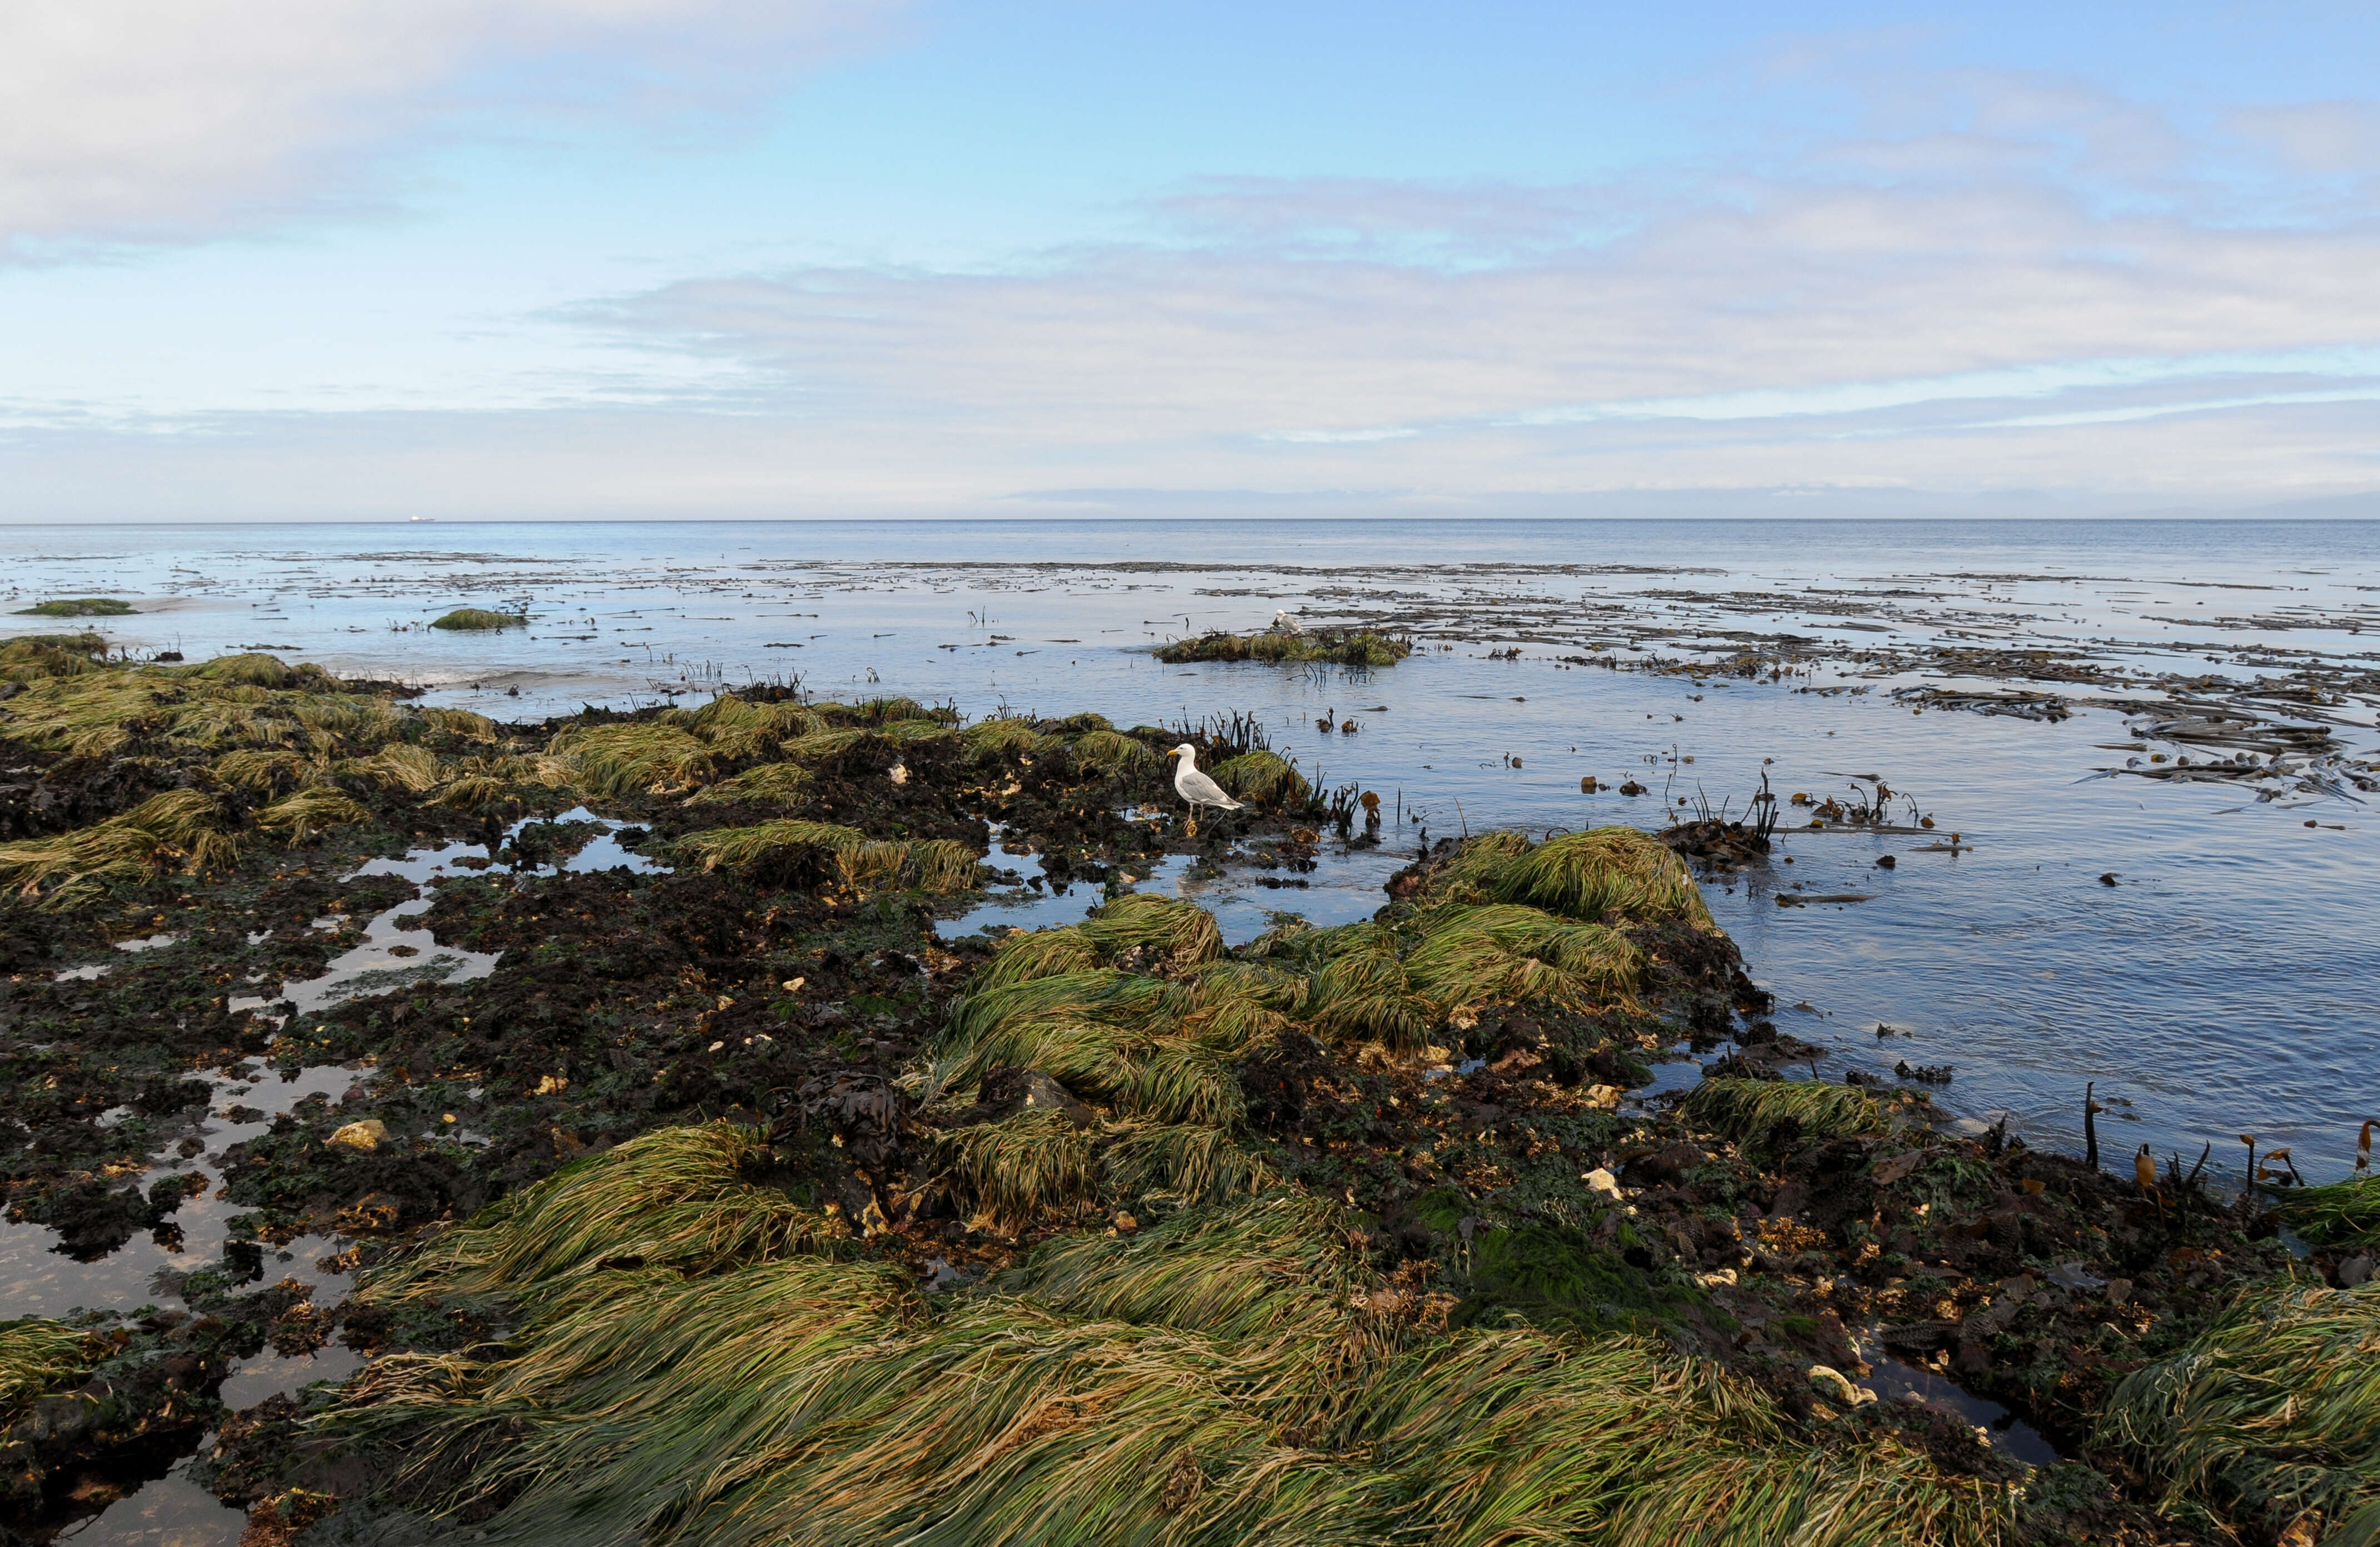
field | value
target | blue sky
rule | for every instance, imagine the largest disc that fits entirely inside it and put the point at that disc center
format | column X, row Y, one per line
column 620, row 258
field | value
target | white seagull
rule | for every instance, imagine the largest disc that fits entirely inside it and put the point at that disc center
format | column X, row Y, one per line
column 1197, row 788
column 1284, row 623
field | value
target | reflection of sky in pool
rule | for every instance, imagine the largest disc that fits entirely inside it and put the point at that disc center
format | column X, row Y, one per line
column 1342, row 888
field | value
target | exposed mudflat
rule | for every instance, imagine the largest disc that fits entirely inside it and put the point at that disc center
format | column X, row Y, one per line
column 924, row 1021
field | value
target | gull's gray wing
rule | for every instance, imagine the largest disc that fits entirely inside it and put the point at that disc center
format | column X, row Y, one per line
column 1198, row 789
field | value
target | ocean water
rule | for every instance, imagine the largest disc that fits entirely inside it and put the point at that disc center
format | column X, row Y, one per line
column 2222, row 985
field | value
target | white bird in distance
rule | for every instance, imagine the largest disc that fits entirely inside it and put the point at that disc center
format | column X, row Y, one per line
column 1197, row 788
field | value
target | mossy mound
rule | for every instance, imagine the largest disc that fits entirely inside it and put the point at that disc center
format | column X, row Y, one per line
column 38, row 1354
column 1238, row 1373
column 2267, row 1424
column 1611, row 872
column 78, row 607
column 1334, row 647
column 2345, row 1213
column 475, row 618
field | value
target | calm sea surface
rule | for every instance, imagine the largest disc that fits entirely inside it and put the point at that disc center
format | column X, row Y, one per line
column 2225, row 983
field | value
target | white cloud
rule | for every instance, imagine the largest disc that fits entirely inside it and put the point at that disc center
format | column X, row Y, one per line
column 1797, row 298
column 1949, row 328
column 163, row 118
column 1343, row 437
column 2178, row 374
column 2032, row 295
column 2317, row 137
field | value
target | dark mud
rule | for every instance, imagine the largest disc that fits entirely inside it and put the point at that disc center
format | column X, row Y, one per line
column 1507, row 1176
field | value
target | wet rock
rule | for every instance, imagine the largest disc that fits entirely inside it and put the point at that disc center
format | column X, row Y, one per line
column 92, row 1216
column 363, row 1137
column 1769, row 1058
column 1662, row 1167
column 1791, row 1199
column 1289, row 1088
column 868, row 1115
column 1920, row 1338
column 1008, row 1091
column 118, row 1426
column 165, row 1194
column 1723, row 844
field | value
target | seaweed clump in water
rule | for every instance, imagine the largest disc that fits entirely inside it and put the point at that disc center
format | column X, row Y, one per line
column 2343, row 1214
column 37, row 1354
column 78, row 607
column 473, row 618
column 1360, row 648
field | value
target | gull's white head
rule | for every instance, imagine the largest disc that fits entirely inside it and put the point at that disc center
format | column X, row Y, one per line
column 1184, row 749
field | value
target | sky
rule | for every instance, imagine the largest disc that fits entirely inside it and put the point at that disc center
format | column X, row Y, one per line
column 603, row 260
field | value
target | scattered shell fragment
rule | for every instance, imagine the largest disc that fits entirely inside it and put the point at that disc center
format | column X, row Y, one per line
column 1833, row 1384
